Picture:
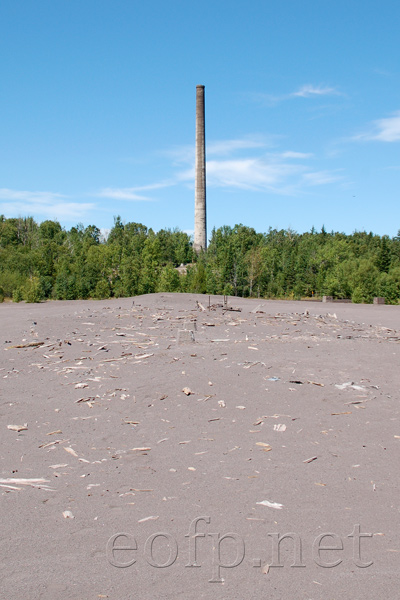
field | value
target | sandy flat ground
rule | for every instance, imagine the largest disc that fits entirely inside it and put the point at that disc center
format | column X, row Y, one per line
column 279, row 418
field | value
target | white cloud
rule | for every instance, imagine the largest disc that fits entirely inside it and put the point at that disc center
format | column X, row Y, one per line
column 383, row 73
column 224, row 147
column 154, row 186
column 186, row 175
column 25, row 196
column 250, row 168
column 305, row 91
column 130, row 193
column 46, row 204
column 251, row 173
column 180, row 154
column 383, row 130
column 284, row 172
column 68, row 210
column 321, row 177
column 290, row 154
column 308, row 90
column 186, row 154
column 273, row 171
column 264, row 99
column 267, row 174
column 122, row 194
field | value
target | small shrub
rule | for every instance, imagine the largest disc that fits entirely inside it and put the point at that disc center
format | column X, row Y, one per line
column 102, row 290
column 228, row 290
column 357, row 296
column 17, row 294
column 33, row 291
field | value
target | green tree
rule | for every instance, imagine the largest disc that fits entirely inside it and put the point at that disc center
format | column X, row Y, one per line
column 384, row 256
column 168, row 280
column 33, row 291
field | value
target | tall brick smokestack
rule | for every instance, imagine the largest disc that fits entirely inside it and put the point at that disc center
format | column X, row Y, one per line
column 200, row 219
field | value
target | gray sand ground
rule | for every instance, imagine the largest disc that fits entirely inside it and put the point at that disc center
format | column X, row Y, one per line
column 123, row 449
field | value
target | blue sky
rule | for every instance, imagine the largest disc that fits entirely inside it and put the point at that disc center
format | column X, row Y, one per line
column 97, row 109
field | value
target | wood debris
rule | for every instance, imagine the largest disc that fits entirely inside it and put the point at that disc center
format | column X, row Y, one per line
column 39, row 483
column 18, row 427
column 153, row 518
column 70, row 451
column 28, row 345
column 280, row 427
column 271, row 504
column 308, row 460
column 265, row 570
column 265, row 447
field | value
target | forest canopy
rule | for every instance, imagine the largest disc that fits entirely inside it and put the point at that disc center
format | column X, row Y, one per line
column 45, row 261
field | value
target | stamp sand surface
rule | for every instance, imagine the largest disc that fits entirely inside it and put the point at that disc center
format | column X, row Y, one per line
column 280, row 417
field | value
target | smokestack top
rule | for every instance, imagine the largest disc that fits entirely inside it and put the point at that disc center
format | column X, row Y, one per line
column 200, row 86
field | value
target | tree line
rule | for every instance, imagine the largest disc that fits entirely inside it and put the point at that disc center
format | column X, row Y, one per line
column 46, row 261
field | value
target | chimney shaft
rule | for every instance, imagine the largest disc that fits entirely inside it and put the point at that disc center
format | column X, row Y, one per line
column 200, row 221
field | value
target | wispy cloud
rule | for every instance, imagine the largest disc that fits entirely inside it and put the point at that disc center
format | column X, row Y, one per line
column 122, row 194
column 186, row 154
column 322, row 177
column 273, row 173
column 241, row 163
column 130, row 193
column 384, row 73
column 264, row 98
column 309, row 90
column 27, row 196
column 301, row 155
column 383, row 130
column 226, row 147
column 180, row 154
column 250, row 173
column 50, row 205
